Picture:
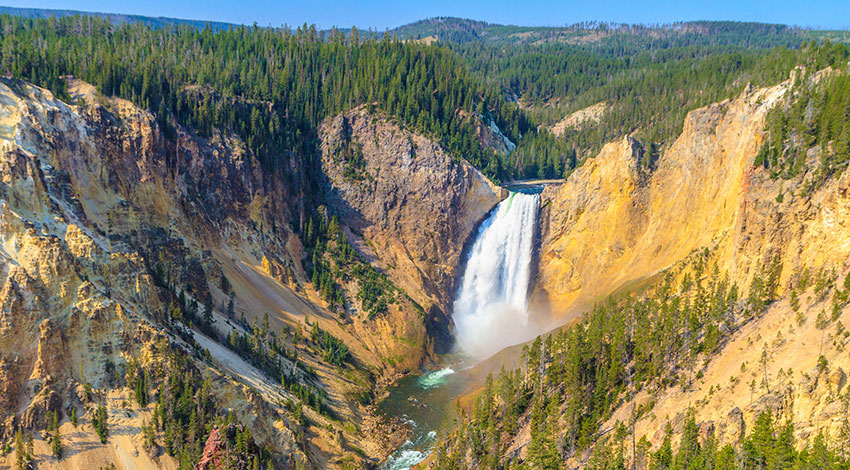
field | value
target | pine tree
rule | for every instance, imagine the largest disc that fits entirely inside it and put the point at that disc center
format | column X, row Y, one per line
column 148, row 435
column 55, row 438
column 230, row 307
column 821, row 457
column 100, row 423
column 208, row 312
column 30, row 447
column 662, row 459
column 20, row 451
column 141, row 391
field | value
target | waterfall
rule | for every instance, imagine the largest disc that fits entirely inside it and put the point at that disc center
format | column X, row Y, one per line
column 490, row 309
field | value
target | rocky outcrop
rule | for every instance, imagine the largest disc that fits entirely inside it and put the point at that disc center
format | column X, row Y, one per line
column 413, row 204
column 108, row 221
column 105, row 217
column 622, row 217
column 583, row 117
column 214, row 452
column 487, row 132
column 93, row 198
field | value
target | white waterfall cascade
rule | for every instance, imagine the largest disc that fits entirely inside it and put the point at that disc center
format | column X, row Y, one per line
column 490, row 310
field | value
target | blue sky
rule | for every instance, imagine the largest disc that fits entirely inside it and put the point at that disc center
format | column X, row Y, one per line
column 381, row 14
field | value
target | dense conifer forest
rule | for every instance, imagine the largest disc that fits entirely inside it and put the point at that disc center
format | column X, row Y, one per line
column 815, row 115
column 273, row 86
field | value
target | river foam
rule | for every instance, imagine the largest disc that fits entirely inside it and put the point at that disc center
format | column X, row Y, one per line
column 435, row 378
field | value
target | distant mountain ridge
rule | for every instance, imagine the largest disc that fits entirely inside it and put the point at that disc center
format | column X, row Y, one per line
column 463, row 30
column 116, row 18
column 751, row 34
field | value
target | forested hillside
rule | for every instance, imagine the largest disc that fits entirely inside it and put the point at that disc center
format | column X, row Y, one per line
column 649, row 77
column 273, row 86
column 555, row 408
column 604, row 36
column 814, row 118
column 116, row 18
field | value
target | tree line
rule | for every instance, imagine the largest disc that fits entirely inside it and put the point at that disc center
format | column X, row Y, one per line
column 270, row 86
column 273, row 86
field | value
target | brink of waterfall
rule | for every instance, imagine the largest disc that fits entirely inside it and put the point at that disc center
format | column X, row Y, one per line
column 490, row 309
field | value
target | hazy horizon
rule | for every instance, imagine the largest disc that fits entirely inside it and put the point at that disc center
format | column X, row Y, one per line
column 383, row 14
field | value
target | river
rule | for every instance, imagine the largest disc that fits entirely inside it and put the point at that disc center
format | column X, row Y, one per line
column 425, row 403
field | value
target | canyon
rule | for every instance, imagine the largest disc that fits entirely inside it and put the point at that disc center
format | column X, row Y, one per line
column 98, row 202
column 107, row 223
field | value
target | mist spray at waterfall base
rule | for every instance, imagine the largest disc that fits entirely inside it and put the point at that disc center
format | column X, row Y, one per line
column 505, row 326
column 491, row 306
